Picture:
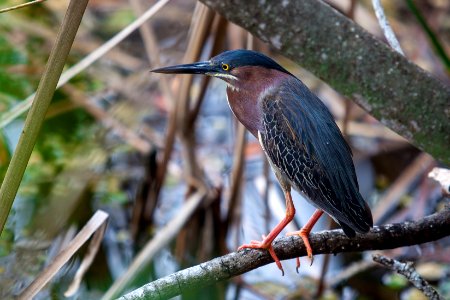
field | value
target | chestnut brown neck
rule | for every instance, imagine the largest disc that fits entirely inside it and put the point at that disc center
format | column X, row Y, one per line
column 246, row 94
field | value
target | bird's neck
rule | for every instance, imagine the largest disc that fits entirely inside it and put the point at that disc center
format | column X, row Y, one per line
column 245, row 95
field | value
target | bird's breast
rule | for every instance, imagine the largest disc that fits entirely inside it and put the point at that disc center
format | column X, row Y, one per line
column 246, row 108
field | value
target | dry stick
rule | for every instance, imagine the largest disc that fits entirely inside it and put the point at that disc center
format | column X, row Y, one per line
column 403, row 183
column 236, row 176
column 87, row 260
column 161, row 239
column 109, row 122
column 44, row 95
column 20, row 6
column 199, row 29
column 94, row 225
column 390, row 236
column 266, row 174
column 199, row 32
column 407, row 269
column 86, row 62
column 384, row 24
column 221, row 25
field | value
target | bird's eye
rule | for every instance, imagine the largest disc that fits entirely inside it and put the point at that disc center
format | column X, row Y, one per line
column 225, row 67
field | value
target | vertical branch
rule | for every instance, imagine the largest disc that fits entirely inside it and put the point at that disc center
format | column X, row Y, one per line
column 267, row 215
column 151, row 47
column 221, row 25
column 35, row 117
column 199, row 33
column 384, row 24
column 236, row 174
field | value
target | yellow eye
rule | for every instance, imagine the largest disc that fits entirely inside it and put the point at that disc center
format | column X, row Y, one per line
column 225, row 67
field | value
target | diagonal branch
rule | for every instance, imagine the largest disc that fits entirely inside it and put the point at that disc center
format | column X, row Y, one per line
column 390, row 236
column 388, row 86
column 407, row 269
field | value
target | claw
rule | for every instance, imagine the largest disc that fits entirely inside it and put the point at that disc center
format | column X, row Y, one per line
column 297, row 260
column 304, row 236
column 264, row 245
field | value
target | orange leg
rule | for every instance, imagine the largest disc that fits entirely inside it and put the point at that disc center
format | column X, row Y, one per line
column 266, row 243
column 304, row 233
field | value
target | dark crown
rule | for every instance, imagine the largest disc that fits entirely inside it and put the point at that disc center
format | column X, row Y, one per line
column 241, row 58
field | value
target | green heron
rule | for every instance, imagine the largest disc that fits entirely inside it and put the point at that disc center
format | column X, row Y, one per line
column 303, row 144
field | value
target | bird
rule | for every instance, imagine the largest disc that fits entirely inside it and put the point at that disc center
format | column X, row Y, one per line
column 299, row 136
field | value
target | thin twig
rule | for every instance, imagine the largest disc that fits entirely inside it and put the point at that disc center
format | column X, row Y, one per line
column 407, row 269
column 20, row 6
column 219, row 37
column 236, row 175
column 384, row 24
column 199, row 33
column 87, row 260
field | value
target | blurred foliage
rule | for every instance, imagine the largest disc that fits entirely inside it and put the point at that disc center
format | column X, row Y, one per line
column 5, row 154
column 395, row 281
column 14, row 85
column 69, row 153
column 117, row 20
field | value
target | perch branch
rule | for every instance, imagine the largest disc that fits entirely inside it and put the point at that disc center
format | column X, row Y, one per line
column 388, row 86
column 407, row 269
column 390, row 236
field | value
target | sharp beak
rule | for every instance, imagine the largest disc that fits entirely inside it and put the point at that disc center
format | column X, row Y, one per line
column 204, row 67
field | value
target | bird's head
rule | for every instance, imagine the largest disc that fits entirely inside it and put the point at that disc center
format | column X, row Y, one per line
column 235, row 67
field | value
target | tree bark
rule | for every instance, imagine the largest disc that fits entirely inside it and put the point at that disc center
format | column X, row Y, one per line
column 388, row 86
column 390, row 236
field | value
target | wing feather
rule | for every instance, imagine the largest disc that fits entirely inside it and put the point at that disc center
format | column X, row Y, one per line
column 301, row 138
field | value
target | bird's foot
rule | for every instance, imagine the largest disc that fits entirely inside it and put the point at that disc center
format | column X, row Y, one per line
column 304, row 235
column 264, row 244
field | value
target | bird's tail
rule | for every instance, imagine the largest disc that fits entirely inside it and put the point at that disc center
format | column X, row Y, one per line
column 358, row 220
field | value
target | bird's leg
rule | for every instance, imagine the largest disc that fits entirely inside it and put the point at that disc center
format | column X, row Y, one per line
column 266, row 243
column 304, row 233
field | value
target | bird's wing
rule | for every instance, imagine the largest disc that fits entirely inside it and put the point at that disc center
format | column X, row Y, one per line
column 301, row 138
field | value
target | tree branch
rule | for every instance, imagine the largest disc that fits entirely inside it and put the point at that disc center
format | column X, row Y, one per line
column 390, row 236
column 395, row 91
column 407, row 269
